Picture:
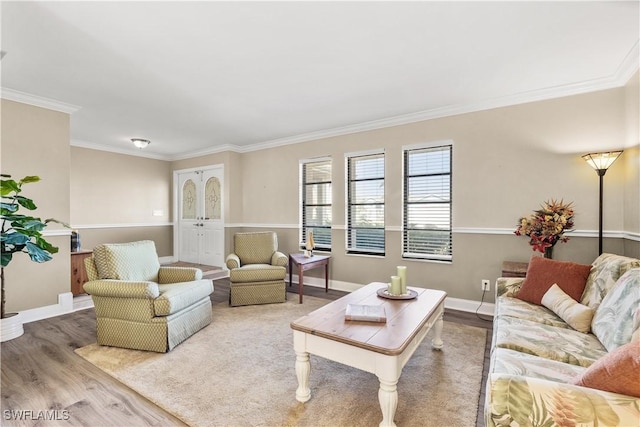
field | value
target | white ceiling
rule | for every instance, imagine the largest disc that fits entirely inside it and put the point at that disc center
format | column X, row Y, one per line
column 201, row 77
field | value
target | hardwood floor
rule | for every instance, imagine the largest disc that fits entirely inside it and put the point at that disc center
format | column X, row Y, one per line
column 52, row 386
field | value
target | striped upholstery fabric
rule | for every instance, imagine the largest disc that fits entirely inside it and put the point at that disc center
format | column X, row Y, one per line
column 257, row 269
column 153, row 315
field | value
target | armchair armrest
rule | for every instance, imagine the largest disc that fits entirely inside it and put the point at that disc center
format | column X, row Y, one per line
column 508, row 286
column 518, row 400
column 232, row 261
column 279, row 259
column 122, row 289
column 168, row 275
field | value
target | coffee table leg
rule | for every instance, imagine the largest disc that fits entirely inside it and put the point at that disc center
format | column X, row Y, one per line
column 388, row 397
column 437, row 343
column 303, row 368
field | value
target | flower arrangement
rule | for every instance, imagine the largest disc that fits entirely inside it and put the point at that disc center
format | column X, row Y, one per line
column 546, row 226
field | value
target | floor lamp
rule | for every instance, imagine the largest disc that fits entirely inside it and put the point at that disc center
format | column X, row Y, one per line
column 601, row 162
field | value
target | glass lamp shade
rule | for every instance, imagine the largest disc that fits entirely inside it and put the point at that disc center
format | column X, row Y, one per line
column 140, row 143
column 601, row 161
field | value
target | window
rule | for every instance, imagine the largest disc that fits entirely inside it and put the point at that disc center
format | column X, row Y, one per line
column 365, row 204
column 426, row 231
column 315, row 179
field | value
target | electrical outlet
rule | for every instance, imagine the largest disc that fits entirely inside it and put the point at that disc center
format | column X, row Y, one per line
column 486, row 285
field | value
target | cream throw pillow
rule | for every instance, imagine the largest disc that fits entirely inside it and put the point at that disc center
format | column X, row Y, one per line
column 578, row 316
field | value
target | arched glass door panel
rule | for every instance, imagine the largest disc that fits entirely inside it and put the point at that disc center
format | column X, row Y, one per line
column 189, row 200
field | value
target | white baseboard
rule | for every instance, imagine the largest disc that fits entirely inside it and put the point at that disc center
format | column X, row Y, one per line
column 67, row 303
column 64, row 305
column 466, row 305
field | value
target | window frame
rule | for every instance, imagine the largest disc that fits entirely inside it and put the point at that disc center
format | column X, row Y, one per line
column 406, row 152
column 303, row 227
column 353, row 249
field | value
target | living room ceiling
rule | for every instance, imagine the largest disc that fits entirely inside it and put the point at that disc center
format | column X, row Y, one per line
column 202, row 77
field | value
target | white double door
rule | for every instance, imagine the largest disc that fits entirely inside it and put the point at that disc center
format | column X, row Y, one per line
column 200, row 225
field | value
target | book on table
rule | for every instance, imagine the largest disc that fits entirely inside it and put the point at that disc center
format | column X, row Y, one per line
column 365, row 313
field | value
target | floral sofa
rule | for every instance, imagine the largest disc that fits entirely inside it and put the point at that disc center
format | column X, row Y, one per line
column 545, row 372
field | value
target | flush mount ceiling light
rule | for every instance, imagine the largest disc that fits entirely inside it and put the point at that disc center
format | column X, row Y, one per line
column 140, row 143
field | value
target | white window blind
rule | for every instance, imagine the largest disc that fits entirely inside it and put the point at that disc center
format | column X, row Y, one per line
column 427, row 203
column 316, row 203
column 365, row 204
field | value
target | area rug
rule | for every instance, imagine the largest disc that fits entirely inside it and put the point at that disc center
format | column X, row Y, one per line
column 239, row 371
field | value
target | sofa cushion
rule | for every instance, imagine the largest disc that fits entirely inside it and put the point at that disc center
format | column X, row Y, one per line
column 136, row 261
column 257, row 273
column 571, row 277
column 617, row 372
column 576, row 315
column 607, row 269
column 618, row 315
column 514, row 307
column 514, row 400
column 505, row 361
column 561, row 344
column 176, row 296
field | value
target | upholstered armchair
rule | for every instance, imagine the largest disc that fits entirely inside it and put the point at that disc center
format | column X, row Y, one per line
column 141, row 305
column 257, row 269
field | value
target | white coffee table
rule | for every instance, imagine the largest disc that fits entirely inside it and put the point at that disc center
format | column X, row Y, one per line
column 383, row 349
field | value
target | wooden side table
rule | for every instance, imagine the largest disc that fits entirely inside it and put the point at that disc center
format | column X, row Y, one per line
column 305, row 264
column 514, row 269
column 78, row 272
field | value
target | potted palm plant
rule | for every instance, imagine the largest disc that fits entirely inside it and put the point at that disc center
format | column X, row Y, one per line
column 20, row 233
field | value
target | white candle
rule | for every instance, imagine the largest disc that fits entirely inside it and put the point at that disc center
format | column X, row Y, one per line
column 395, row 286
column 402, row 273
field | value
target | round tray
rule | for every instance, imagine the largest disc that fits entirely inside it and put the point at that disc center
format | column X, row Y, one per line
column 382, row 292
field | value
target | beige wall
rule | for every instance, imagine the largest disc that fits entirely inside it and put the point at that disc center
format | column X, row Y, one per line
column 35, row 141
column 113, row 197
column 506, row 162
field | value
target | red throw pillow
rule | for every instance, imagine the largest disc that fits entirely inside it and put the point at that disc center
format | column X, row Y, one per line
column 542, row 273
column 617, row 372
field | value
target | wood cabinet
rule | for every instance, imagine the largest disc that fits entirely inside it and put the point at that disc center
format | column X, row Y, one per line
column 78, row 272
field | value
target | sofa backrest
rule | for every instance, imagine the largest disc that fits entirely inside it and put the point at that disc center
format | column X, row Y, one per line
column 127, row 261
column 617, row 319
column 255, row 248
column 605, row 271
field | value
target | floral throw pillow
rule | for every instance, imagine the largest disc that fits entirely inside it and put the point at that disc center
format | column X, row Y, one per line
column 616, row 319
column 542, row 273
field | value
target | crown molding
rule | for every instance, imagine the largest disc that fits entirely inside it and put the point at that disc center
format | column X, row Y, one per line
column 133, row 152
column 37, row 101
column 625, row 71
column 628, row 67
